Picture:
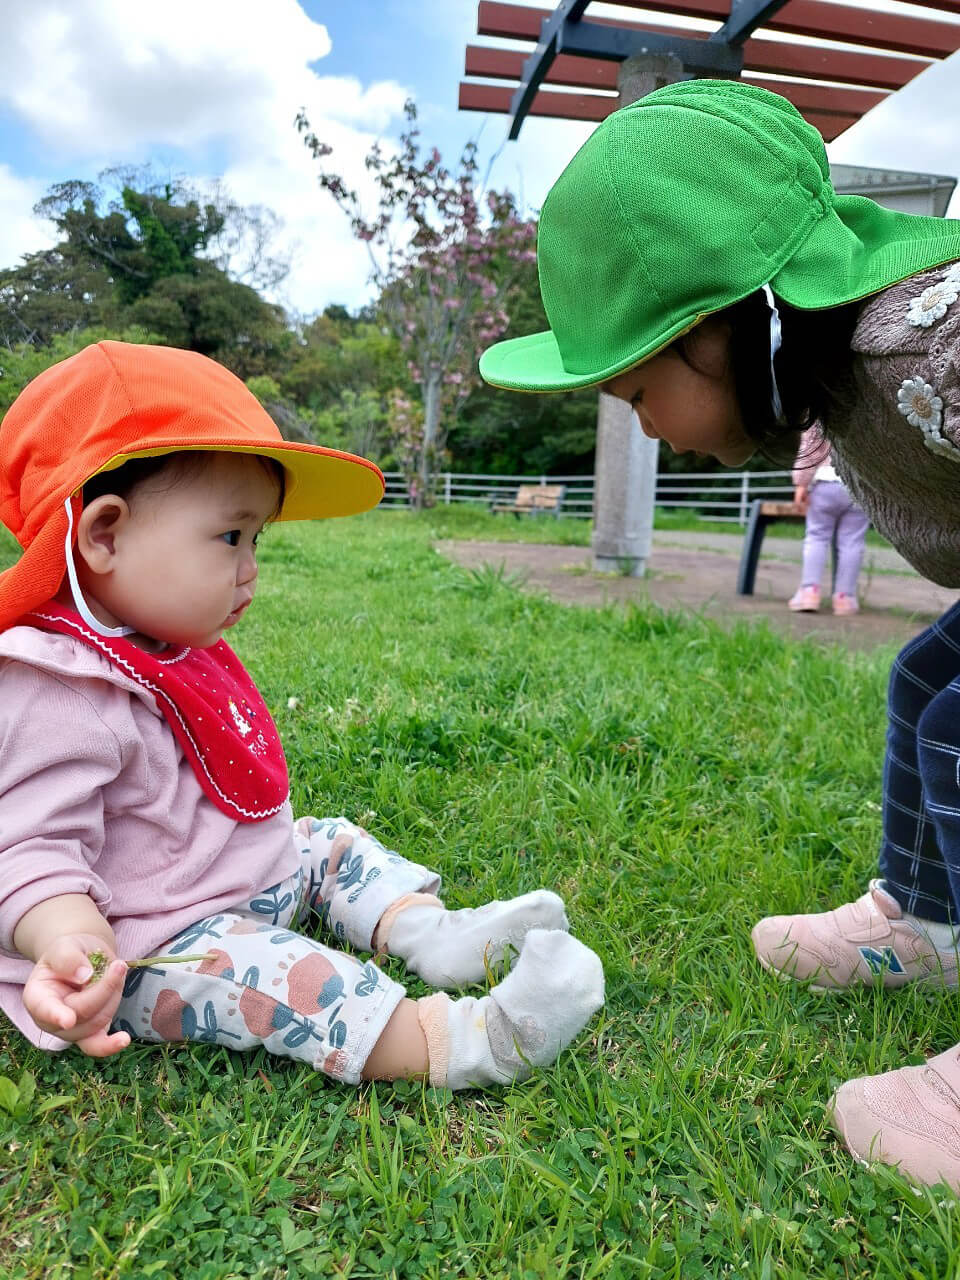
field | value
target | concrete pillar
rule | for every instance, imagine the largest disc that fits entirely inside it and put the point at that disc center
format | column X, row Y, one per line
column 625, row 482
column 625, row 468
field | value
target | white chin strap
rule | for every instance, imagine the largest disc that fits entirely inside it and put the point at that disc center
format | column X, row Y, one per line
column 776, row 339
column 81, row 605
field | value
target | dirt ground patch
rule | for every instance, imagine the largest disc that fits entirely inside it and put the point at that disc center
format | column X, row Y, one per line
column 690, row 571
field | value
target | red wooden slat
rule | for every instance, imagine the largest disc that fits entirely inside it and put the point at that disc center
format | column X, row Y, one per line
column 830, row 127
column 830, row 63
column 592, row 107
column 827, row 100
column 592, row 73
column 518, row 22
column 903, row 33
column 562, row 106
column 507, row 64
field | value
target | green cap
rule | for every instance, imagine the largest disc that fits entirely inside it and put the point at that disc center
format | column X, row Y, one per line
column 683, row 203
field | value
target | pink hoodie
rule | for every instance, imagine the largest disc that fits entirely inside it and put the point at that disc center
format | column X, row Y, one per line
column 97, row 797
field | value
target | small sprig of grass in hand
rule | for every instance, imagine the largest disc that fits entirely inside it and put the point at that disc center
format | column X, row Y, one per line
column 98, row 962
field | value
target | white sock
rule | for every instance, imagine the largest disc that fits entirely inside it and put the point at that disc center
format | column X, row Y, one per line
column 547, row 998
column 943, row 936
column 447, row 948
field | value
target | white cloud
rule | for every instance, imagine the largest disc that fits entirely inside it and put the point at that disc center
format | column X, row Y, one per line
column 104, row 82
column 911, row 129
column 105, row 75
column 20, row 231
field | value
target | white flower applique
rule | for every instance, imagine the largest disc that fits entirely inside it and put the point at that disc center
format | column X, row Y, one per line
column 923, row 408
column 931, row 305
column 952, row 278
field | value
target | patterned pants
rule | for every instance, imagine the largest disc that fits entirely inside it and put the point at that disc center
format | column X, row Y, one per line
column 920, row 853
column 266, row 984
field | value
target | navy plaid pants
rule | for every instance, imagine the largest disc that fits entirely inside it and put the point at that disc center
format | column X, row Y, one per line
column 920, row 853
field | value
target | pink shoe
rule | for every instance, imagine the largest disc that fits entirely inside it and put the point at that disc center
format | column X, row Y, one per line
column 844, row 605
column 864, row 943
column 805, row 600
column 909, row 1117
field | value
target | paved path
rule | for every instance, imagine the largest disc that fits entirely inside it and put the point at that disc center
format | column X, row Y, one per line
column 698, row 571
column 774, row 548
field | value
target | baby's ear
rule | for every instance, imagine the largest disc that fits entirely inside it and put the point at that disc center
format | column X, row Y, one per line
column 97, row 531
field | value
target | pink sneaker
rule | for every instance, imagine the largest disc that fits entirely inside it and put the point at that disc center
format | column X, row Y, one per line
column 864, row 943
column 844, row 605
column 805, row 600
column 909, row 1117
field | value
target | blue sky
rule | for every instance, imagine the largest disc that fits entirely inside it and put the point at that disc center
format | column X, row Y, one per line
column 209, row 88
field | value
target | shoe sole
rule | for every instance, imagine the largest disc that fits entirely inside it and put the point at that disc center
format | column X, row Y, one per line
column 782, row 976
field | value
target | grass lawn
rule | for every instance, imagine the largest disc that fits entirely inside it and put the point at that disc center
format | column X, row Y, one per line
column 673, row 782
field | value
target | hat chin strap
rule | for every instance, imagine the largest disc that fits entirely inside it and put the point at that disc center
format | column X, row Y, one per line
column 81, row 605
column 776, row 340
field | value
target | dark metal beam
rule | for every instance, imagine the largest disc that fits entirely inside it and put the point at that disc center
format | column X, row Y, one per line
column 591, row 40
column 540, row 61
column 745, row 17
column 564, row 32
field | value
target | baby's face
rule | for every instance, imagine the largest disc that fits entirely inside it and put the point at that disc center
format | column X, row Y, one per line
column 185, row 566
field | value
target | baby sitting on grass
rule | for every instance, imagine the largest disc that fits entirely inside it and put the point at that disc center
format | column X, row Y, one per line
column 143, row 789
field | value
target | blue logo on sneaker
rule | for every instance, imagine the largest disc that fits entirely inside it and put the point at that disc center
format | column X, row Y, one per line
column 884, row 961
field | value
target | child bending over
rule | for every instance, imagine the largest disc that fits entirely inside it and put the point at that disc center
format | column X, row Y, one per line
column 143, row 789
column 696, row 262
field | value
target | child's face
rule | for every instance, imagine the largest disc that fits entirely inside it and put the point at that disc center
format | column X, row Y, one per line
column 177, row 561
column 694, row 409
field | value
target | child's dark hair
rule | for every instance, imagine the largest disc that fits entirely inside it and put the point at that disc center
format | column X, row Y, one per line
column 174, row 467
column 812, row 368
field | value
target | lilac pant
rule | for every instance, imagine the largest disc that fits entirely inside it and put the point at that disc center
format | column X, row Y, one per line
column 833, row 511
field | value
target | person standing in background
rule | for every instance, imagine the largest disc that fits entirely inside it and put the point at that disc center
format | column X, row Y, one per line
column 831, row 513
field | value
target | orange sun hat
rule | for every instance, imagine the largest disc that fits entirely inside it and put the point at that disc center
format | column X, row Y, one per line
column 115, row 401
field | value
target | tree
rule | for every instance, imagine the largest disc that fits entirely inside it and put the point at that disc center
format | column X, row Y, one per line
column 444, row 268
column 338, row 352
column 21, row 362
column 134, row 250
column 509, row 434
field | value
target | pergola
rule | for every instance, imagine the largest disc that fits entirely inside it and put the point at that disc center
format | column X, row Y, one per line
column 832, row 85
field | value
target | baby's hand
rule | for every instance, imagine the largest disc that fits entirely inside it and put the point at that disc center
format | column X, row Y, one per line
column 60, row 1002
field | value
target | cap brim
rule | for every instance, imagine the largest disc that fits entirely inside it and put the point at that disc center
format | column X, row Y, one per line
column 533, row 363
column 320, row 482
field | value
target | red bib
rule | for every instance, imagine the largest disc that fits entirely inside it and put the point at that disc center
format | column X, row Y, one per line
column 213, row 707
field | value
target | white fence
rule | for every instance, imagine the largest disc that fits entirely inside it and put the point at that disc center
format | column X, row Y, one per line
column 716, row 495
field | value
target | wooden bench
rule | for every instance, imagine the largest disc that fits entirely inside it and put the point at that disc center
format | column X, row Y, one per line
column 534, row 500
column 761, row 514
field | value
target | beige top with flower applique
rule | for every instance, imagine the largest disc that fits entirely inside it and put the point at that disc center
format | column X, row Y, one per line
column 898, row 450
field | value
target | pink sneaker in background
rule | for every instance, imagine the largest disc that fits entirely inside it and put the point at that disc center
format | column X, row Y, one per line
column 805, row 600
column 866, row 943
column 844, row 605
column 909, row 1117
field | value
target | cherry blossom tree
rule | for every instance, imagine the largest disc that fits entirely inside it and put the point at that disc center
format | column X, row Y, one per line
column 444, row 257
